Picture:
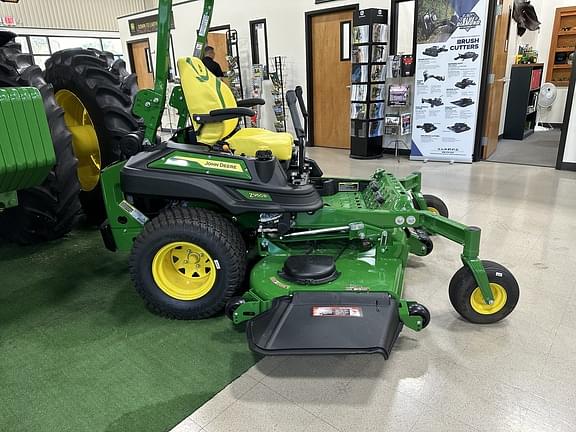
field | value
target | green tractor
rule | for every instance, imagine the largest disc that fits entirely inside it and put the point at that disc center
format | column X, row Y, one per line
column 60, row 128
column 217, row 207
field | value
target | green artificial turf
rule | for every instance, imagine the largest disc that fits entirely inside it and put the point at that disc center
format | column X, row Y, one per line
column 79, row 352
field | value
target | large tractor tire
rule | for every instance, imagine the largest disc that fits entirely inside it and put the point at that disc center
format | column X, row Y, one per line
column 97, row 102
column 48, row 211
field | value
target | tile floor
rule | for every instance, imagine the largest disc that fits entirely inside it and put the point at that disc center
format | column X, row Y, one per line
column 518, row 375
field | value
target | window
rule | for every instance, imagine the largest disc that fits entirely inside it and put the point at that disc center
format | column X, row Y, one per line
column 402, row 40
column 41, row 61
column 259, row 43
column 39, row 45
column 42, row 47
column 112, row 45
column 62, row 43
column 23, row 41
column 345, row 40
column 406, row 23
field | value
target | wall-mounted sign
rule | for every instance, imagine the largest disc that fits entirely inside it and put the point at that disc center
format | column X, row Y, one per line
column 145, row 25
column 7, row 21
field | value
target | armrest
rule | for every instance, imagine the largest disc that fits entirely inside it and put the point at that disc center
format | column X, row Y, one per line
column 247, row 103
column 221, row 115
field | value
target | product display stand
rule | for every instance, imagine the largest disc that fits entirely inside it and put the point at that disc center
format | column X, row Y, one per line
column 522, row 109
column 398, row 120
column 234, row 73
column 368, row 89
column 277, row 77
column 257, row 77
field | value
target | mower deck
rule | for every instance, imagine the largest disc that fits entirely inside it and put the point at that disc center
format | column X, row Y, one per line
column 327, row 323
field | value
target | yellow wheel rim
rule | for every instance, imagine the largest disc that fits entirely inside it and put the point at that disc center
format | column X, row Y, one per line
column 184, row 271
column 480, row 306
column 433, row 210
column 84, row 139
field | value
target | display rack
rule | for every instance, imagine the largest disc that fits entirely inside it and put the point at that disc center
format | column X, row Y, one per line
column 562, row 47
column 522, row 109
column 368, row 88
column 398, row 122
column 256, row 93
column 234, row 73
column 277, row 77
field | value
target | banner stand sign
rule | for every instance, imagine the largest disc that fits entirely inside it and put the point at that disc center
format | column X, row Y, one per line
column 450, row 52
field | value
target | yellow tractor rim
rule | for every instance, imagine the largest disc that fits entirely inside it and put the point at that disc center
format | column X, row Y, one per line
column 433, row 210
column 480, row 306
column 84, row 139
column 184, row 271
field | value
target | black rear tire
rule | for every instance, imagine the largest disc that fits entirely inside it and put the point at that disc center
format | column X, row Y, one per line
column 208, row 230
column 87, row 74
column 48, row 211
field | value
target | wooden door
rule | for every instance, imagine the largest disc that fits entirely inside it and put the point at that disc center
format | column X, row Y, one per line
column 496, row 84
column 142, row 64
column 217, row 40
column 330, row 81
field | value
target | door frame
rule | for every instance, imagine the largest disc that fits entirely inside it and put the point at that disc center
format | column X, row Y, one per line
column 484, row 87
column 131, row 55
column 309, row 60
column 560, row 164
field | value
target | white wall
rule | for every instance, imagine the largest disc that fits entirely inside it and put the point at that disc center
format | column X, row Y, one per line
column 539, row 40
column 286, row 32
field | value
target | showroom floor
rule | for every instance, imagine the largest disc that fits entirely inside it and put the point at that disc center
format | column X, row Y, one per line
column 539, row 149
column 518, row 375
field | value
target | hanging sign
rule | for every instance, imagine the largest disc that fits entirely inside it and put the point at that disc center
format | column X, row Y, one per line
column 450, row 37
column 148, row 24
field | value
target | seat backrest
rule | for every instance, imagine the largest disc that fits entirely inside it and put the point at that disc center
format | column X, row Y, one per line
column 204, row 92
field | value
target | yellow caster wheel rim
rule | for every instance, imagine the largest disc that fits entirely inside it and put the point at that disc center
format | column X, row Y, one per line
column 500, row 298
column 84, row 139
column 184, row 271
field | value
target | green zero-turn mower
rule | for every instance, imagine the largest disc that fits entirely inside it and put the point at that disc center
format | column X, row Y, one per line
column 217, row 206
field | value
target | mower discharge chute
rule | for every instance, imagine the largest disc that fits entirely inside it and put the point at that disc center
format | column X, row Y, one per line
column 325, row 257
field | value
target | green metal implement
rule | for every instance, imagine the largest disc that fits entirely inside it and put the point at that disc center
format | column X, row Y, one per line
column 365, row 226
column 26, row 150
column 376, row 214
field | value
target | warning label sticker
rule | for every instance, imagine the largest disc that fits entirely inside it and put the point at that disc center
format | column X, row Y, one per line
column 337, row 311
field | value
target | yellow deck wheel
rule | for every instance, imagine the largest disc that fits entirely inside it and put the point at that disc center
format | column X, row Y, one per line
column 500, row 298
column 84, row 139
column 184, row 271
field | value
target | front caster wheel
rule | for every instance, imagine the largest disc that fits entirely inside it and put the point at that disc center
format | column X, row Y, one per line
column 233, row 304
column 467, row 299
column 435, row 205
column 421, row 311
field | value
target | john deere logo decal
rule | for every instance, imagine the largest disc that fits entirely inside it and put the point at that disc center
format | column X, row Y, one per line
column 205, row 163
column 469, row 21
